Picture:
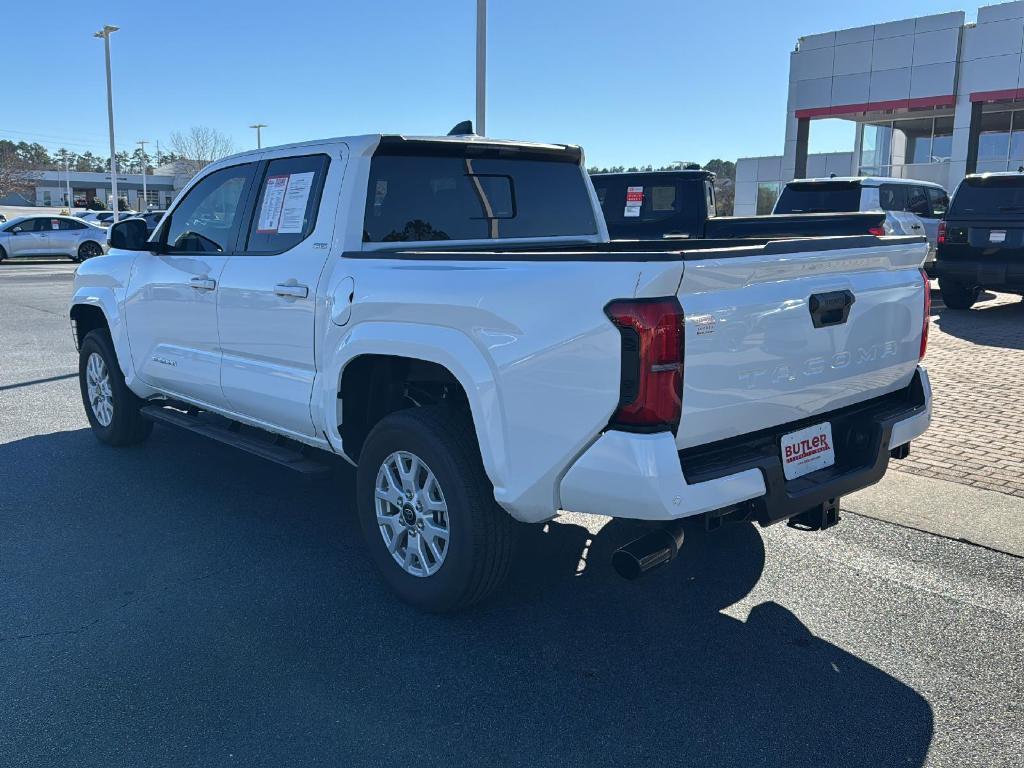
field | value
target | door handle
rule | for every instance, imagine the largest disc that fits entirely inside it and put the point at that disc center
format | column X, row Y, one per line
column 203, row 283
column 292, row 291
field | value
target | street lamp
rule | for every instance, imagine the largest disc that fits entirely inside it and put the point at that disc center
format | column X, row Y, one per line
column 145, row 200
column 105, row 34
column 481, row 65
column 257, row 126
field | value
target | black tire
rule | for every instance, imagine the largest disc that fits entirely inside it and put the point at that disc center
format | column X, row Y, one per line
column 957, row 295
column 88, row 250
column 126, row 426
column 3, row 253
column 479, row 549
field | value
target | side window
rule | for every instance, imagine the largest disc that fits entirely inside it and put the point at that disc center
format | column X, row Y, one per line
column 938, row 201
column 35, row 225
column 287, row 202
column 917, row 201
column 892, row 197
column 206, row 220
column 67, row 224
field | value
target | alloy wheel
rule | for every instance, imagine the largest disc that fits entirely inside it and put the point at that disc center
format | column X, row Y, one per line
column 97, row 384
column 412, row 514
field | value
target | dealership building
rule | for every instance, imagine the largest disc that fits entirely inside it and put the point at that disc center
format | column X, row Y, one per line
column 932, row 98
column 49, row 188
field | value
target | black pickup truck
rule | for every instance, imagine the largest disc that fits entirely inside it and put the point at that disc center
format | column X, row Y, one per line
column 656, row 204
column 981, row 240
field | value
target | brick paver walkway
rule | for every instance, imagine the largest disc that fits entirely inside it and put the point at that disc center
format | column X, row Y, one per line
column 976, row 364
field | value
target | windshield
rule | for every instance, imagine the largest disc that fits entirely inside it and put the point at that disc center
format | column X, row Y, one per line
column 1000, row 196
column 819, row 197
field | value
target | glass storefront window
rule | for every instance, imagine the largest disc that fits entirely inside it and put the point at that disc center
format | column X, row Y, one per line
column 994, row 141
column 912, row 141
column 875, row 147
column 767, row 194
column 942, row 140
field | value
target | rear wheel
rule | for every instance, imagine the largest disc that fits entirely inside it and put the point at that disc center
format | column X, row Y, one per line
column 88, row 250
column 957, row 295
column 427, row 510
column 3, row 253
column 112, row 408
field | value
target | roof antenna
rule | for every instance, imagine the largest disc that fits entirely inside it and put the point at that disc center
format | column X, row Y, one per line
column 465, row 128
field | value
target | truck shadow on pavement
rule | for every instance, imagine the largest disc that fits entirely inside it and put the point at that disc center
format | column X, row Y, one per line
column 182, row 602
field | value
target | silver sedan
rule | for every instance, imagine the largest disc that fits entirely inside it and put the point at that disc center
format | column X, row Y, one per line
column 51, row 236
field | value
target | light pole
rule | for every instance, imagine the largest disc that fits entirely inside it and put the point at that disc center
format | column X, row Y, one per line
column 145, row 200
column 481, row 65
column 258, row 126
column 67, row 181
column 105, row 34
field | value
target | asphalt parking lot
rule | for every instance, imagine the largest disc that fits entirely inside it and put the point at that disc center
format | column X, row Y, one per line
column 180, row 603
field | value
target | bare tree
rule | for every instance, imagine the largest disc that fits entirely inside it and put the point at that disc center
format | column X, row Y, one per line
column 15, row 175
column 200, row 146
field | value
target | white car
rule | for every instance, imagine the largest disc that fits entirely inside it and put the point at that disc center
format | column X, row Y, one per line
column 448, row 315
column 51, row 236
column 911, row 207
column 102, row 218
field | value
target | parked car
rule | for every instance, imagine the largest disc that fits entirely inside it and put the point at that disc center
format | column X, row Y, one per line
column 102, row 218
column 981, row 240
column 681, row 204
column 51, row 236
column 912, row 207
column 449, row 315
column 152, row 218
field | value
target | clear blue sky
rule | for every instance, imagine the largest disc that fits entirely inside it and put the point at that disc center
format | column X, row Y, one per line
column 648, row 81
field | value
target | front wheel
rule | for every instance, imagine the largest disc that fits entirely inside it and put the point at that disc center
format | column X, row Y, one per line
column 88, row 250
column 112, row 408
column 957, row 295
column 427, row 510
column 3, row 253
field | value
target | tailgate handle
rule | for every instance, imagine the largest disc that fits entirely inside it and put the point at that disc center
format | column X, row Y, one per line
column 830, row 308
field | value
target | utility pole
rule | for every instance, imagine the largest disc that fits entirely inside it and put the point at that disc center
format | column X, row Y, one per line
column 105, row 34
column 258, row 126
column 67, row 181
column 145, row 200
column 481, row 66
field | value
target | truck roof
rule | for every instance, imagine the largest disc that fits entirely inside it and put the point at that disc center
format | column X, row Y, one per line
column 694, row 172
column 366, row 142
column 866, row 181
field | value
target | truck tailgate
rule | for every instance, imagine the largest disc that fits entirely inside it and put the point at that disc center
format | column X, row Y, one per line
column 766, row 343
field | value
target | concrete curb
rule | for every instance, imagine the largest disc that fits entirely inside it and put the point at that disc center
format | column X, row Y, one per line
column 986, row 518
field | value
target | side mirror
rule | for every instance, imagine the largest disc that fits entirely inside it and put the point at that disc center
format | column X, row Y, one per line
column 130, row 235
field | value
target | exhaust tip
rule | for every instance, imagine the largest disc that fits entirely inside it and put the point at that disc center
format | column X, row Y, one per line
column 643, row 555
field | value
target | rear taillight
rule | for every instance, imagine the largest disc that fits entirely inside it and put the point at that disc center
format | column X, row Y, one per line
column 927, row 314
column 651, row 383
column 876, row 231
column 940, row 238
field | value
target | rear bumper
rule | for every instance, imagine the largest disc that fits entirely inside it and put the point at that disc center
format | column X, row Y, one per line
column 645, row 477
column 984, row 273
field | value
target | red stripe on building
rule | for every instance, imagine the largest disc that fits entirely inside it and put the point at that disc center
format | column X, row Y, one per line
column 925, row 102
column 1005, row 95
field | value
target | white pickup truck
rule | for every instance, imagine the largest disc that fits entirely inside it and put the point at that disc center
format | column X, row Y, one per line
column 447, row 314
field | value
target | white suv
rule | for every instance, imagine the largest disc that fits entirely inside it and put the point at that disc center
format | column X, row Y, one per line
column 912, row 207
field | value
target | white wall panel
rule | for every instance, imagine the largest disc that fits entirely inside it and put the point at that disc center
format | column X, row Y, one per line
column 746, row 169
column 893, row 52
column 851, row 89
column 855, row 35
column 769, row 168
column 992, row 74
column 936, row 47
column 890, row 84
column 986, row 40
column 895, row 28
column 813, row 64
column 953, row 20
column 813, row 93
column 932, row 80
column 852, row 59
column 810, row 42
column 1000, row 12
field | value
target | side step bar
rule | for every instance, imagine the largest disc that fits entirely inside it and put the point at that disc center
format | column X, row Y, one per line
column 285, row 455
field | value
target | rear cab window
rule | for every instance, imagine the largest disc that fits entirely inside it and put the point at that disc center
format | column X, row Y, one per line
column 650, row 205
column 819, row 197
column 993, row 197
column 435, row 191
